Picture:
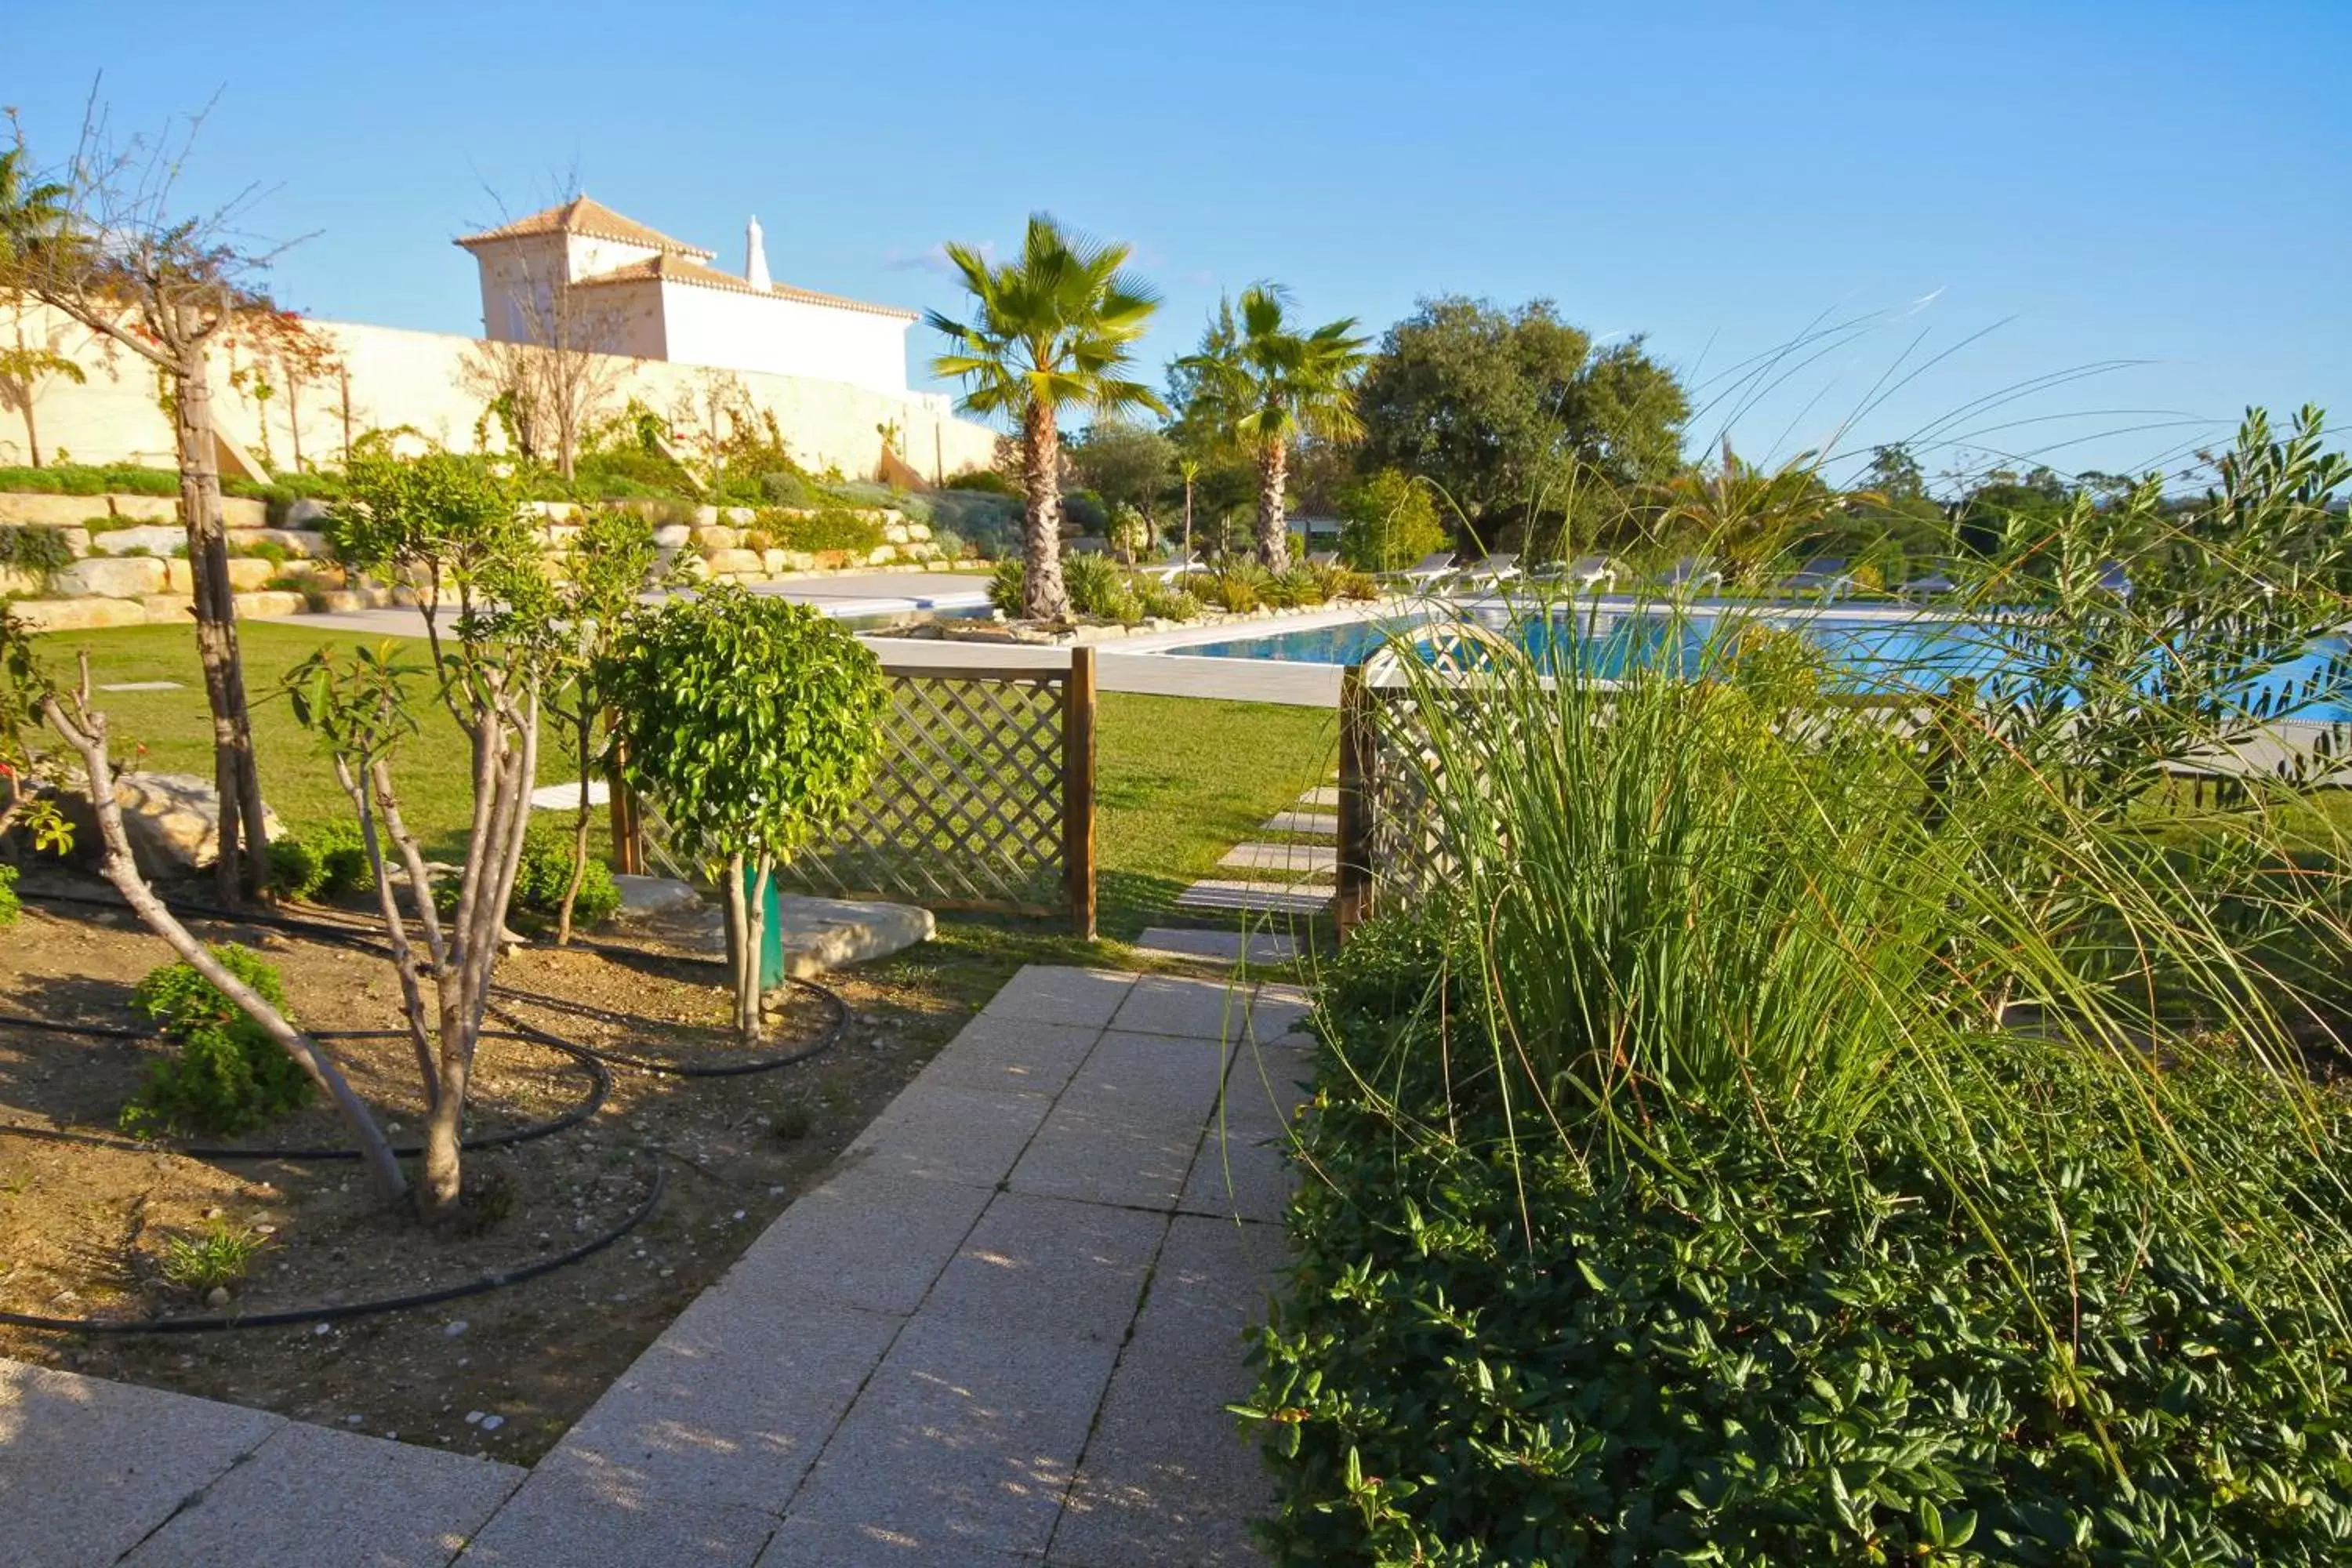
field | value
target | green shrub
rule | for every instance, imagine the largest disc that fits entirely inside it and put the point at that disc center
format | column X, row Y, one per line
column 1007, row 584
column 1163, row 602
column 783, row 489
column 268, row 550
column 10, row 905
column 985, row 481
column 827, row 529
column 1300, row 587
column 546, row 872
column 88, row 480
column 1769, row 1348
column 227, row 1074
column 1099, row 588
column 949, row 544
column 328, row 859
column 1389, row 523
column 1237, row 587
column 40, row 552
column 992, row 524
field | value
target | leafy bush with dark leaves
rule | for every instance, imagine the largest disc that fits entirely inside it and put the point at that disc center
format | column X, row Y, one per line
column 1765, row 1347
column 10, row 905
column 227, row 1074
column 546, row 872
column 327, row 859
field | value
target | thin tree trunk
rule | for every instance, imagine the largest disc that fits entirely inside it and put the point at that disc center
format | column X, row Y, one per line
column 244, row 839
column 87, row 736
column 1043, row 597
column 1272, row 541
column 579, row 829
column 755, row 935
column 738, row 938
column 403, row 958
column 1187, row 520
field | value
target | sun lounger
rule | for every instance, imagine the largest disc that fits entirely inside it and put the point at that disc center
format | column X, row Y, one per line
column 1933, row 586
column 1825, row 575
column 1170, row 570
column 1499, row 566
column 1323, row 560
column 1429, row 570
column 1690, row 573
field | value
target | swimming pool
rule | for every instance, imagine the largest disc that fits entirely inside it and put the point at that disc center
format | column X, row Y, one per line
column 1888, row 654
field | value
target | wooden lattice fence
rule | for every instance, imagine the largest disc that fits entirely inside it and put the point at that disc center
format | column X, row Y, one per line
column 983, row 798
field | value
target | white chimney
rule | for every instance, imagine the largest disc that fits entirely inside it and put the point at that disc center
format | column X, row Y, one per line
column 755, row 260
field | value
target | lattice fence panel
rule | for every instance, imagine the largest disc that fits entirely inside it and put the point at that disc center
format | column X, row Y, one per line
column 965, row 809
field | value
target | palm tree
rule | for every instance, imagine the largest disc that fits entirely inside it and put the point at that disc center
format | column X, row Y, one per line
column 1052, row 331
column 29, row 213
column 1746, row 514
column 1283, row 384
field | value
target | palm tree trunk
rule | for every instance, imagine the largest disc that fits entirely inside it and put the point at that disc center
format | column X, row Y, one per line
column 244, row 840
column 1043, row 597
column 1272, row 540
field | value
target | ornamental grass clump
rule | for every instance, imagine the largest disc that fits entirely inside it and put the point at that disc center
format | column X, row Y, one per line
column 1772, row 1120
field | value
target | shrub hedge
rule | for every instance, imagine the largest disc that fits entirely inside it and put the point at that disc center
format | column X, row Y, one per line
column 1762, row 1347
column 227, row 1074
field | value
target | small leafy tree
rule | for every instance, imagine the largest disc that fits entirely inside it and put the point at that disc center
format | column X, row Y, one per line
column 595, row 591
column 22, row 367
column 26, row 691
column 452, row 523
column 1388, row 522
column 755, row 724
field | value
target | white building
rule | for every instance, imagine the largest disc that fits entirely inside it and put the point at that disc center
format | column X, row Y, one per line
column 580, row 275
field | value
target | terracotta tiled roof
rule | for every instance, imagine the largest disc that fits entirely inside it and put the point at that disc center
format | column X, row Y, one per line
column 670, row 267
column 593, row 218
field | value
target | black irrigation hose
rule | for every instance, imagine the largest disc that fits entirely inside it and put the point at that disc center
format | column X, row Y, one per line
column 481, row 1285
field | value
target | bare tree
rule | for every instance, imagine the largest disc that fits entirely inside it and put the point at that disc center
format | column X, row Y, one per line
column 24, row 365
column 300, row 356
column 556, row 380
column 707, row 415
column 112, row 251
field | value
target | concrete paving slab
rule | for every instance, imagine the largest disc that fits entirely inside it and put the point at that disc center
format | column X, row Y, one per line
column 1047, row 1267
column 867, row 1239
column 1228, row 947
column 1298, row 859
column 89, row 1467
column 1166, row 1081
column 1168, row 1477
column 1321, row 795
column 559, row 1520
column 1280, row 1010
column 967, row 1438
column 1257, row 896
column 1176, row 1004
column 1058, row 996
column 1009, row 1053
column 947, row 1135
column 1238, row 1176
column 1088, row 1157
column 1324, row 822
column 727, row 1409
column 312, row 1497
column 812, row 1544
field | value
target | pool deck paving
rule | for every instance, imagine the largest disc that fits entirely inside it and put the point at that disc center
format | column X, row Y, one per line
column 1004, row 1330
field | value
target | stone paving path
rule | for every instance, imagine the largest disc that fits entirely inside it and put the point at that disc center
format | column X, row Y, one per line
column 1003, row 1331
column 1291, row 877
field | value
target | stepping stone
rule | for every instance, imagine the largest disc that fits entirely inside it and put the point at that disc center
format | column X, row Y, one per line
column 1274, row 897
column 140, row 686
column 1322, row 821
column 566, row 796
column 1321, row 795
column 1299, row 858
column 1218, row 946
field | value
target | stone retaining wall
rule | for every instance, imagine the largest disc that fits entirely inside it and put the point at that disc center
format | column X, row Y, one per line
column 125, row 571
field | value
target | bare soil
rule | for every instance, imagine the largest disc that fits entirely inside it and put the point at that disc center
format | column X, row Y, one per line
column 84, row 1226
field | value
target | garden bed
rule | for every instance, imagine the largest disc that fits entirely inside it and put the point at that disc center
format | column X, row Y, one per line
column 86, row 1221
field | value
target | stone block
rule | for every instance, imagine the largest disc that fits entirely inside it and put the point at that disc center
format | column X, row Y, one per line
column 733, row 562
column 995, row 1054
column 821, row 934
column 92, row 1466
column 168, row 609
column 50, row 511
column 307, row 543
column 799, row 560
column 1089, row 1154
column 243, row 512
column 364, row 1503
column 717, row 536
column 172, row 820
column 268, row 605
column 17, row 583
column 342, row 600
column 868, row 1240
column 575, row 1522
column 775, row 560
column 145, row 508
column 1172, row 1005
column 248, row 572
column 307, row 512
column 896, row 532
column 881, row 555
column 673, row 536
column 1050, row 1266
column 705, row 517
column 738, row 516
column 78, row 614
column 129, row 577
column 155, row 539
column 945, row 1135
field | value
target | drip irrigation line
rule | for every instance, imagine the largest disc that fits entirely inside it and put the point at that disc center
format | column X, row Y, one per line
column 481, row 1285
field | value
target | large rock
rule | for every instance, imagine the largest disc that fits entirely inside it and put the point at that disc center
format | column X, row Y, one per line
column 145, row 508
column 168, row 609
column 15, row 583
column 123, row 577
column 735, row 562
column 673, row 536
column 243, row 512
column 715, row 536
column 307, row 512
column 172, row 821
column 306, row 542
column 246, row 573
column 50, row 511
column 151, row 539
column 78, row 614
column 269, row 605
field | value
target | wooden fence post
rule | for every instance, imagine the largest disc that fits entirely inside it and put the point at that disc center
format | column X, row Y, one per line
column 1078, row 789
column 1354, row 877
column 621, row 812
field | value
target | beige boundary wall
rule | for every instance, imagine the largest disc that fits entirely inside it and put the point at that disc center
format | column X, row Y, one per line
column 399, row 377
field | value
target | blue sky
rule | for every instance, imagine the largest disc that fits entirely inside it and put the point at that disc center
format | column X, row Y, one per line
column 2081, row 183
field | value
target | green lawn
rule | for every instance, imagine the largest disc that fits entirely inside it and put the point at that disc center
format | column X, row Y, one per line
column 1178, row 780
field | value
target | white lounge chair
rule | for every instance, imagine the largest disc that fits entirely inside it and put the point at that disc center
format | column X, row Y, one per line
column 1590, row 572
column 1689, row 575
column 1429, row 570
column 1498, row 566
column 1823, row 574
column 1323, row 560
column 1933, row 586
column 1167, row 572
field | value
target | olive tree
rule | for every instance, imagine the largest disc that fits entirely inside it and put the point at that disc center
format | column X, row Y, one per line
column 453, row 525
column 754, row 722
column 602, row 571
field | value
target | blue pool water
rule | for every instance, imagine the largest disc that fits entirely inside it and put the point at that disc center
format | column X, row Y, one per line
column 1875, row 654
